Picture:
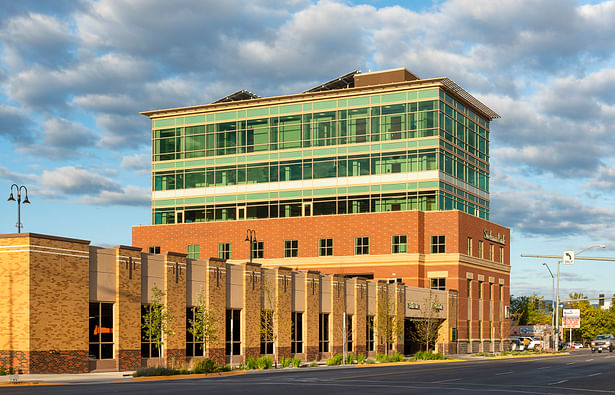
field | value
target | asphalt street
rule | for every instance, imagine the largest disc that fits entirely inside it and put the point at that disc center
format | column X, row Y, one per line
column 578, row 373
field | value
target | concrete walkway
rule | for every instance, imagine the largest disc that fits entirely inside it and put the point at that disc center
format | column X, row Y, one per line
column 106, row 377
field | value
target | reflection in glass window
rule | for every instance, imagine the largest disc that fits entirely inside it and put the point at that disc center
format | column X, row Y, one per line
column 101, row 330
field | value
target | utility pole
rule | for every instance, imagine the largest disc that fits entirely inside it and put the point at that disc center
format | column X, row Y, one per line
column 569, row 257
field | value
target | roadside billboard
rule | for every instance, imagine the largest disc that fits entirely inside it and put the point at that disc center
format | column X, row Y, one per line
column 571, row 318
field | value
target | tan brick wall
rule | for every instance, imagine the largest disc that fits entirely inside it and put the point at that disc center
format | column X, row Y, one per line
column 59, row 293
column 14, row 293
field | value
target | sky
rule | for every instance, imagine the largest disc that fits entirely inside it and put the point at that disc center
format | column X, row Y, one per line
column 74, row 76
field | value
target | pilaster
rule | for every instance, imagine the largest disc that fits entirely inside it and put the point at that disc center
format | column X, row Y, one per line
column 127, row 308
column 338, row 307
column 283, row 308
column 251, row 311
column 174, row 348
column 312, row 310
column 215, row 301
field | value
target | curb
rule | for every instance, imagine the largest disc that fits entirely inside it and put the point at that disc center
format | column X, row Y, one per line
column 30, row 383
column 524, row 356
column 185, row 376
column 424, row 362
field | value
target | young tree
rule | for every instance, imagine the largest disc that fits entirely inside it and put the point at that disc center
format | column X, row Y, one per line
column 203, row 325
column 426, row 329
column 530, row 310
column 389, row 326
column 157, row 320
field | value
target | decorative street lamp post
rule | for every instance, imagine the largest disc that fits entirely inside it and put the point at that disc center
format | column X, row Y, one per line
column 18, row 189
column 251, row 237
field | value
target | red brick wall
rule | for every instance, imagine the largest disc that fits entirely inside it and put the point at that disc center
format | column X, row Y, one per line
column 379, row 227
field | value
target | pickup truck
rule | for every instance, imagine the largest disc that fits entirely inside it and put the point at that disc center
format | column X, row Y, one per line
column 603, row 342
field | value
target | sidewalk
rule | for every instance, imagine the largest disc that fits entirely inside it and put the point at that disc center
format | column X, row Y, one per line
column 46, row 379
column 115, row 377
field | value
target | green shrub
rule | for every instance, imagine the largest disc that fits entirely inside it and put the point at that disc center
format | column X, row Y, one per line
column 336, row 360
column 296, row 362
column 264, row 362
column 428, row 355
column 141, row 372
column 381, row 358
column 397, row 357
column 251, row 363
column 205, row 365
column 285, row 362
column 2, row 371
column 360, row 358
column 349, row 359
column 369, row 361
column 313, row 364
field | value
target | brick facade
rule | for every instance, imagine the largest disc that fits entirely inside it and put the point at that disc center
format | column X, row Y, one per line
column 49, row 283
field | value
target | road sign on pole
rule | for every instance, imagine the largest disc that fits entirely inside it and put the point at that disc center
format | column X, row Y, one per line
column 568, row 258
column 571, row 318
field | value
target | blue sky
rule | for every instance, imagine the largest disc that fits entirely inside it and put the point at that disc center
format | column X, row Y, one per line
column 74, row 76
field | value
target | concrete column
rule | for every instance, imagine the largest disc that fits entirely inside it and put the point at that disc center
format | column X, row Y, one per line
column 174, row 348
column 312, row 311
column 127, row 307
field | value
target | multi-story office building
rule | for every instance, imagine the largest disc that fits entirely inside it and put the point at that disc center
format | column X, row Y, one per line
column 388, row 142
column 381, row 174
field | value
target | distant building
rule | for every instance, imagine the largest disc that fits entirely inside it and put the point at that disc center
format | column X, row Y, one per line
column 381, row 175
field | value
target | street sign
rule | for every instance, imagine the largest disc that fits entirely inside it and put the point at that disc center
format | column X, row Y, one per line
column 571, row 318
column 568, row 258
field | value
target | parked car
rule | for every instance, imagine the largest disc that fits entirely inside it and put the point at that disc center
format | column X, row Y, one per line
column 576, row 346
column 516, row 345
column 603, row 342
column 526, row 343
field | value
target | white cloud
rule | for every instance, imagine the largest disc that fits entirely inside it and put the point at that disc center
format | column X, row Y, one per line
column 71, row 180
column 36, row 38
column 138, row 162
column 128, row 196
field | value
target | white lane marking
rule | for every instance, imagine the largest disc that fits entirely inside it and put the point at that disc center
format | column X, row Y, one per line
column 591, row 359
column 595, row 374
column 445, row 381
column 558, row 382
column 570, row 363
column 544, row 367
column 499, row 374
